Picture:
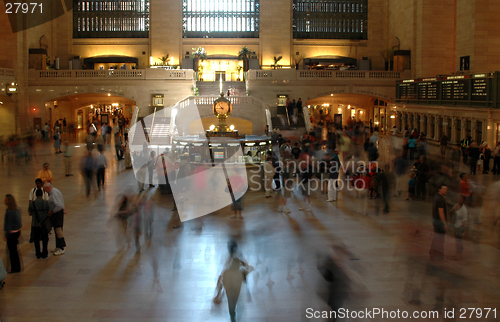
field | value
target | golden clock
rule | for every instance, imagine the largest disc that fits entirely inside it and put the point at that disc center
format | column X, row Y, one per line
column 221, row 108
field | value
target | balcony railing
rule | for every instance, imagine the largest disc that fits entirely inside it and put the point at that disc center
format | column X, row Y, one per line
column 292, row 74
column 153, row 73
column 7, row 72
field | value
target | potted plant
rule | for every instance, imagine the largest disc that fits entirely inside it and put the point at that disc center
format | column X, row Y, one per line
column 276, row 60
column 164, row 60
column 245, row 55
column 388, row 55
column 199, row 54
column 297, row 59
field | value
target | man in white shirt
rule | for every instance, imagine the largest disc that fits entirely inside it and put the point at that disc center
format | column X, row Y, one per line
column 56, row 213
column 460, row 224
column 39, row 186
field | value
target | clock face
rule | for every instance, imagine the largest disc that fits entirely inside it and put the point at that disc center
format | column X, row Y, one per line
column 222, row 108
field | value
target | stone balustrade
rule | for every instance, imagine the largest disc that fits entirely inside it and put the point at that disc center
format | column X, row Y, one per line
column 292, row 74
column 130, row 74
column 7, row 75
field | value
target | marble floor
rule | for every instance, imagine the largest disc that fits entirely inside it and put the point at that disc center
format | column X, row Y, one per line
column 174, row 276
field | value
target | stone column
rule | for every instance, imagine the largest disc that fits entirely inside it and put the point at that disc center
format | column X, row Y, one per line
column 463, row 130
column 428, row 133
column 444, row 129
column 453, row 138
column 490, row 130
column 422, row 124
column 404, row 121
column 398, row 121
column 436, row 127
column 474, row 130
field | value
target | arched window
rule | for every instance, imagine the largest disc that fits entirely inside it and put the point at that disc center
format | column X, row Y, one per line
column 111, row 19
column 220, row 18
column 317, row 19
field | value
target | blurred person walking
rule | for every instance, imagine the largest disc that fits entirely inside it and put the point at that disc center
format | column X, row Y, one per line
column 101, row 163
column 486, row 156
column 286, row 175
column 473, row 157
column 232, row 277
column 439, row 223
column 268, row 176
column 443, row 143
column 151, row 166
column 87, row 167
column 496, row 159
column 460, row 216
column 57, row 142
column 67, row 154
column 118, row 146
column 333, row 176
column 12, row 228
column 423, row 175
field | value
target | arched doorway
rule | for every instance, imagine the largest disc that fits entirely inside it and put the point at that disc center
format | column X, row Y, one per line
column 343, row 109
column 80, row 110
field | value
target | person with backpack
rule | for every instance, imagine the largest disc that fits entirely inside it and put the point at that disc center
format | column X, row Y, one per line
column 38, row 210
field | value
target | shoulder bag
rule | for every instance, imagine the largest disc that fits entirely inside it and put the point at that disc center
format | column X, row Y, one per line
column 46, row 225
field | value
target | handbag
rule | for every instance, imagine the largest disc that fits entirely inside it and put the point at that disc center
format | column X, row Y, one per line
column 46, row 225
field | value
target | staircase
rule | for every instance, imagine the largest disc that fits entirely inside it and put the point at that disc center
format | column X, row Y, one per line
column 160, row 135
column 213, row 88
column 279, row 122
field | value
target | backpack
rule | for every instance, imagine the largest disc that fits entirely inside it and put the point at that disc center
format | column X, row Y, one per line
column 55, row 137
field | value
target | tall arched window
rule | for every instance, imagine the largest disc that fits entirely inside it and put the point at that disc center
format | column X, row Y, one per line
column 324, row 19
column 220, row 18
column 111, row 19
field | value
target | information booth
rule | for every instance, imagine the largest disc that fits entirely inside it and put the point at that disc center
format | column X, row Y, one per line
column 217, row 150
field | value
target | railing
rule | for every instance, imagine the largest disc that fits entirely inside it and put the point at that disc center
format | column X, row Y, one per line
column 154, row 73
column 235, row 100
column 7, row 72
column 292, row 74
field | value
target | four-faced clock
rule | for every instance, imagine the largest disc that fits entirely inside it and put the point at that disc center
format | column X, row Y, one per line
column 221, row 108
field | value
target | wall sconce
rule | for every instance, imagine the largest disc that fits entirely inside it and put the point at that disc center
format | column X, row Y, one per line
column 489, row 127
column 393, row 116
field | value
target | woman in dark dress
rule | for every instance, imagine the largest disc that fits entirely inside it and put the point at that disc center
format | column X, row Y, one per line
column 12, row 227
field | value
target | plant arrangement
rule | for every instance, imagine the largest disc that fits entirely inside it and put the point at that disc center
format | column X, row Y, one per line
column 199, row 53
column 164, row 60
column 276, row 60
column 297, row 59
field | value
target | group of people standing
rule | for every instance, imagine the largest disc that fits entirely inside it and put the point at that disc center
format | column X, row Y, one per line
column 46, row 208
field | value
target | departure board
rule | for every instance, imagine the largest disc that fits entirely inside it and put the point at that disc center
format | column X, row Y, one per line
column 455, row 90
column 461, row 90
column 428, row 91
column 408, row 91
column 479, row 89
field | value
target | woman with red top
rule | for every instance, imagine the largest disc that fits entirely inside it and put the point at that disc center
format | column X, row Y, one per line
column 465, row 188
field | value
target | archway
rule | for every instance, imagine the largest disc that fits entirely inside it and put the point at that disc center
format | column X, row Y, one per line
column 343, row 109
column 80, row 110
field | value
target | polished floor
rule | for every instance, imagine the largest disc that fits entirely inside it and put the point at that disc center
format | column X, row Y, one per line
column 173, row 278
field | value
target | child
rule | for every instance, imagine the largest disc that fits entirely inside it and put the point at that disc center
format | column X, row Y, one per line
column 411, row 187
